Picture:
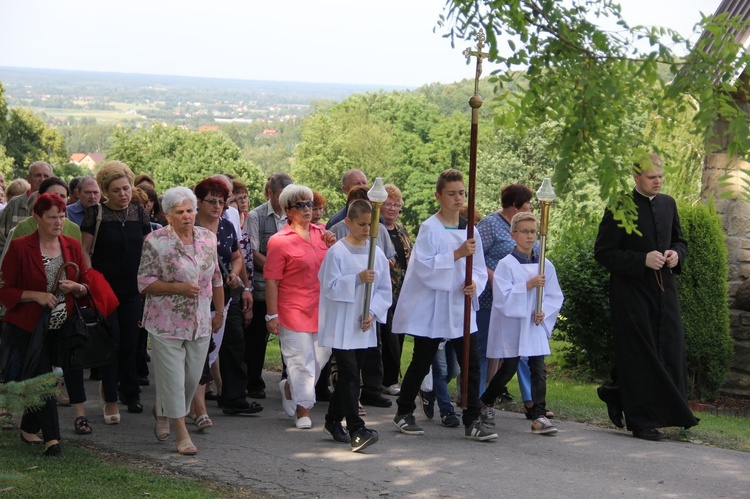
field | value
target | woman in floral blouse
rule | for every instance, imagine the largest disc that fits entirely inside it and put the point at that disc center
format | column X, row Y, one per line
column 179, row 274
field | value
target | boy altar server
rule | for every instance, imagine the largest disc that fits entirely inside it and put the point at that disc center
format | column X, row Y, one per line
column 431, row 305
column 343, row 277
column 516, row 330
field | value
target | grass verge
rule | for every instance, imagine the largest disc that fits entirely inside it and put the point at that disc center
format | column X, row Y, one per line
column 85, row 473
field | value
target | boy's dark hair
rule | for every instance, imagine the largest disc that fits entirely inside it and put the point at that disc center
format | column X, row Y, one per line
column 355, row 193
column 449, row 175
column 357, row 208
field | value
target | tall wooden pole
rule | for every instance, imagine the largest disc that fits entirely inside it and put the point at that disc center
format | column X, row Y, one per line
column 475, row 102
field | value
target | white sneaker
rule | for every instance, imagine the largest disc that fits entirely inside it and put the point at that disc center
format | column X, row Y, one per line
column 303, row 423
column 290, row 408
column 392, row 390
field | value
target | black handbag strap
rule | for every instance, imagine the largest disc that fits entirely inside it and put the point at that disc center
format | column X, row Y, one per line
column 92, row 302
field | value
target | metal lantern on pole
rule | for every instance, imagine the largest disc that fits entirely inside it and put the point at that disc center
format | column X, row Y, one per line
column 377, row 196
column 545, row 196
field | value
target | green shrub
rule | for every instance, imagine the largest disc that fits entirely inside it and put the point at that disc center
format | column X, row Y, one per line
column 584, row 319
column 704, row 301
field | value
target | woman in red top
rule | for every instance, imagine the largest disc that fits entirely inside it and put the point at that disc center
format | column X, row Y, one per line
column 29, row 270
column 295, row 254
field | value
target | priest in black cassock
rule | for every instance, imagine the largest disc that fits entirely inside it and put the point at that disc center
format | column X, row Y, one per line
column 649, row 379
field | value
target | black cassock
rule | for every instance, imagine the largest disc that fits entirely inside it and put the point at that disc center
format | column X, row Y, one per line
column 649, row 340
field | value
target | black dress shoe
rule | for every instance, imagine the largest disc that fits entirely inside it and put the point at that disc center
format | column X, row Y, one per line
column 53, row 450
column 376, row 401
column 241, row 406
column 256, row 394
column 211, row 396
column 649, row 433
column 135, row 406
column 610, row 395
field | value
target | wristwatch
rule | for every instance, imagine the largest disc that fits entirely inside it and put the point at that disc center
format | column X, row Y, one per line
column 246, row 289
column 269, row 318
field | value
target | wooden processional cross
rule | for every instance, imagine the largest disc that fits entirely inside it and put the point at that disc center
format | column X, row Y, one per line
column 475, row 102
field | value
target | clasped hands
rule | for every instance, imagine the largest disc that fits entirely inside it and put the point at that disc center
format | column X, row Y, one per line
column 655, row 259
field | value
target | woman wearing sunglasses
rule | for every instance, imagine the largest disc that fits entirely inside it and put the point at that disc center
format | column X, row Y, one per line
column 294, row 257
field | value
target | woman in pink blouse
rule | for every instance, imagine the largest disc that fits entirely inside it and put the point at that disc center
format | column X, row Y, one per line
column 295, row 254
column 180, row 276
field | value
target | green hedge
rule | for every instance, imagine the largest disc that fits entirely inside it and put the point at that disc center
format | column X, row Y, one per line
column 585, row 318
column 704, row 301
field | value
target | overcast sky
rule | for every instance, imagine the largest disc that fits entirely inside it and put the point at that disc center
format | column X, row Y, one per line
column 382, row 42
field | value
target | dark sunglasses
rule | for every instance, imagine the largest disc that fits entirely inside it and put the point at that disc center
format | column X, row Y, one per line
column 301, row 205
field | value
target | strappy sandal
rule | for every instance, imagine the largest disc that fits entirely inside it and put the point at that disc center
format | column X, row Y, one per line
column 82, row 426
column 203, row 422
column 186, row 448
column 161, row 430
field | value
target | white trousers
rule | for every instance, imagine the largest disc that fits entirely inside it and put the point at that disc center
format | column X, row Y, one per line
column 178, row 365
column 218, row 335
column 304, row 359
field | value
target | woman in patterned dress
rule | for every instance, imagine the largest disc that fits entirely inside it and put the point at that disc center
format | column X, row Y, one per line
column 179, row 274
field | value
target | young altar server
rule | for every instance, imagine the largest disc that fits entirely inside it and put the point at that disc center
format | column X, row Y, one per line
column 343, row 277
column 431, row 304
column 516, row 330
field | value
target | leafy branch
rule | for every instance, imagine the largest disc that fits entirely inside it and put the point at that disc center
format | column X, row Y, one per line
column 591, row 82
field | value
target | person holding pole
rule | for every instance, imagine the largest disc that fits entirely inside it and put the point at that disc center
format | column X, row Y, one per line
column 517, row 329
column 344, row 279
column 431, row 305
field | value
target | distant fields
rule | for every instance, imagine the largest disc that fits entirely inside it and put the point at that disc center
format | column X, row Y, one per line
column 102, row 116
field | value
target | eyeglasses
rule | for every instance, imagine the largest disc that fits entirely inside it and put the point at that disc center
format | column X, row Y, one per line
column 240, row 198
column 214, row 201
column 301, row 205
column 395, row 206
column 526, row 232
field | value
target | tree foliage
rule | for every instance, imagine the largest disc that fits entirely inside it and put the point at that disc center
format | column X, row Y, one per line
column 589, row 80
column 28, row 139
column 176, row 156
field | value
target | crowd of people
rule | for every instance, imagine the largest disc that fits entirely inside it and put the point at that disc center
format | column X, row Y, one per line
column 203, row 279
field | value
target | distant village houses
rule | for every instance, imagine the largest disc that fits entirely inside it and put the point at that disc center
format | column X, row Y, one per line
column 89, row 160
column 268, row 132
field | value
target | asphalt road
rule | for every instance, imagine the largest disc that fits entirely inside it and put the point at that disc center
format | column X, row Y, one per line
column 265, row 453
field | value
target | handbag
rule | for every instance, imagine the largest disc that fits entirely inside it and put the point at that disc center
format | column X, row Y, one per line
column 86, row 339
column 86, row 336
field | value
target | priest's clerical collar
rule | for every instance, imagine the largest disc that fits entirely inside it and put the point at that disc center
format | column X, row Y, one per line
column 650, row 198
column 523, row 257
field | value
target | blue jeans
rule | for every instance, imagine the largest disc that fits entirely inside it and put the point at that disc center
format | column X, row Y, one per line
column 523, row 375
column 445, row 367
column 483, row 330
column 524, row 380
